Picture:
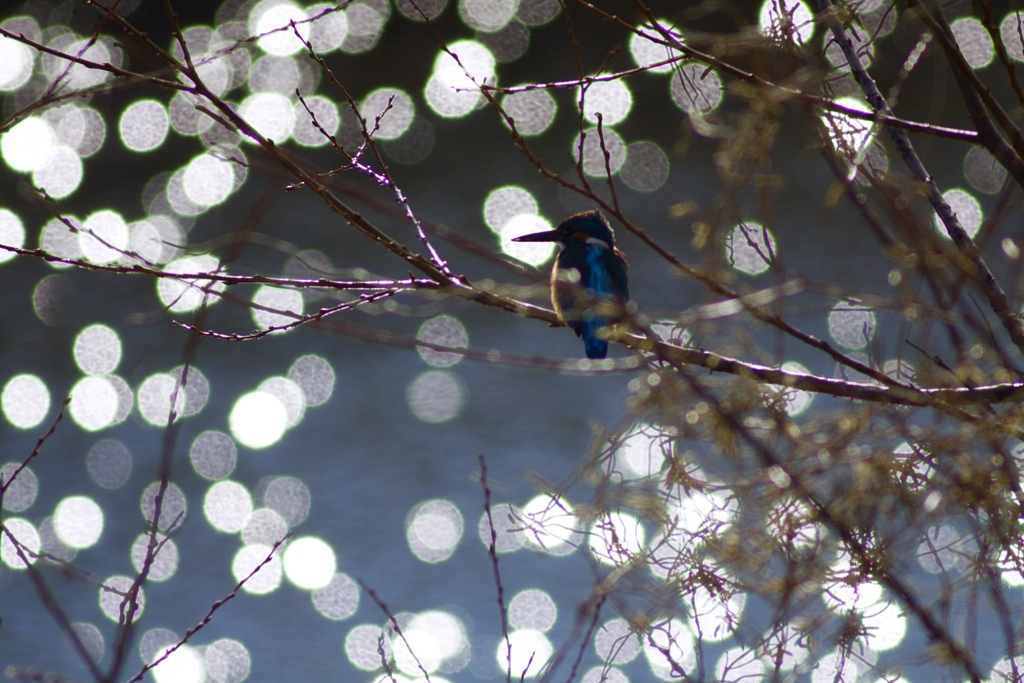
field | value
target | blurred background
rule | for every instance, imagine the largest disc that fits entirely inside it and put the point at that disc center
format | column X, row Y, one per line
column 367, row 452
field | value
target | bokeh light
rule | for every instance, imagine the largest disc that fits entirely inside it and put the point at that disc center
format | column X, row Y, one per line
column 550, row 525
column 228, row 661
column 21, row 491
column 173, row 505
column 616, row 642
column 786, row 20
column 433, row 530
column 213, row 455
column 271, row 115
column 112, row 594
column 183, row 296
column 851, row 325
column 272, row 21
column 208, row 180
column 290, row 396
column 647, row 48
column 974, row 42
column 596, row 146
column 144, row 125
column 505, row 203
column 750, row 248
column 530, row 651
column 28, row 144
column 109, row 463
column 227, row 506
column 443, row 330
column 508, row 536
column 361, row 647
column 17, row 60
column 264, row 526
column 258, row 420
column 454, row 88
column 97, row 350
column 314, row 377
column 25, row 401
column 532, row 609
column 532, row 111
column 248, row 559
column 78, row 521
column 289, row 497
column 19, row 543
column 982, row 171
column 324, row 112
column 94, row 403
column 436, row 396
column 487, row 15
column 1012, row 36
column 967, row 210
column 163, row 563
column 154, row 399
column 12, row 233
column 609, row 100
column 104, row 236
column 309, row 563
column 337, row 600
column 533, row 253
column 616, row 538
column 646, row 168
column 388, row 112
column 276, row 306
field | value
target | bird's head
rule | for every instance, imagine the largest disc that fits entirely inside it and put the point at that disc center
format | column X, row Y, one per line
column 585, row 228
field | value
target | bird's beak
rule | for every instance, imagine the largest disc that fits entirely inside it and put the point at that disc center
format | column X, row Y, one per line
column 547, row 236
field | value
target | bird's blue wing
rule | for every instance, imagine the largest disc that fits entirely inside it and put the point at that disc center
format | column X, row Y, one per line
column 601, row 271
column 605, row 277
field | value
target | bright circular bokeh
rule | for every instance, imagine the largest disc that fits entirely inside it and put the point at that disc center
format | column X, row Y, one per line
column 12, row 233
column 309, row 563
column 276, row 306
column 533, row 253
column 258, row 420
column 25, row 401
column 26, row 546
column 611, row 101
column 27, row 146
column 750, row 248
column 443, row 330
column 616, row 538
column 227, row 506
column 550, row 525
column 649, row 49
column 532, row 111
column 78, row 521
column 144, row 125
column 786, row 20
column 154, row 399
column 433, row 530
column 97, row 350
column 530, row 652
column 505, row 203
column 272, row 21
column 388, row 112
column 94, row 403
column 532, row 609
column 248, row 559
column 188, row 294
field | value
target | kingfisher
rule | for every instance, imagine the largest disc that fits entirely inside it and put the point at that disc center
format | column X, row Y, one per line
column 589, row 280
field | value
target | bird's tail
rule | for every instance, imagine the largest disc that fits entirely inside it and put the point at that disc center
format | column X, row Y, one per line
column 595, row 346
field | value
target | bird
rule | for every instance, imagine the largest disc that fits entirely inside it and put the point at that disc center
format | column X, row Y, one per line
column 589, row 281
